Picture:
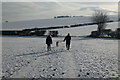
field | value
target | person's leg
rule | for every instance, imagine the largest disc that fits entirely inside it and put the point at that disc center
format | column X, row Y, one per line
column 47, row 47
column 50, row 47
column 68, row 46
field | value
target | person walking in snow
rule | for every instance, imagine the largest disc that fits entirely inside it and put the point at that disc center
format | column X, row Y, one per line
column 68, row 40
column 49, row 42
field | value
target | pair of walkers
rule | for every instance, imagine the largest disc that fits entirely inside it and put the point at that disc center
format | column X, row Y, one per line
column 49, row 42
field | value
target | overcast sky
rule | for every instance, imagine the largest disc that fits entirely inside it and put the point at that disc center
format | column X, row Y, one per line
column 19, row 11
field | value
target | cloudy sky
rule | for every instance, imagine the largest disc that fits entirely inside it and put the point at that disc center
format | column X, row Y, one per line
column 19, row 11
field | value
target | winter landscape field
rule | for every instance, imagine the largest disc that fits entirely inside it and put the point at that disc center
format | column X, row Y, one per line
column 94, row 45
column 26, row 57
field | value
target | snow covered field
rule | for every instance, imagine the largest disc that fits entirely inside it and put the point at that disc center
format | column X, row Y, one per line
column 26, row 57
column 53, row 22
column 85, row 30
column 44, row 23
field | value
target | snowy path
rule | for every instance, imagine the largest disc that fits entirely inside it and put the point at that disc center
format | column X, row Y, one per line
column 69, row 66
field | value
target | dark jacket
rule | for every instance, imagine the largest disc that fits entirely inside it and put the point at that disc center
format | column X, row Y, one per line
column 68, row 39
column 48, row 40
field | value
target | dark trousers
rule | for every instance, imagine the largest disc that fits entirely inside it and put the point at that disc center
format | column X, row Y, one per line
column 48, row 47
column 67, row 46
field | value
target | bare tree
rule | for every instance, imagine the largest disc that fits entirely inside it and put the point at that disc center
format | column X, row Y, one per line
column 100, row 18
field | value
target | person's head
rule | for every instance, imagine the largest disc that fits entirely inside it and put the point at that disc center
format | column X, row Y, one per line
column 68, row 34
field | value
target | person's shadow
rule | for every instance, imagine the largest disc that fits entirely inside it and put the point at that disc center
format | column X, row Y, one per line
column 44, row 53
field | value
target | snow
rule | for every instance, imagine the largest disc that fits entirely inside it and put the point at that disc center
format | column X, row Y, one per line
column 112, row 26
column 26, row 57
column 84, row 30
column 44, row 23
column 53, row 22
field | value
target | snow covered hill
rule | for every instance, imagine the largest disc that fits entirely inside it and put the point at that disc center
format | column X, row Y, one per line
column 48, row 23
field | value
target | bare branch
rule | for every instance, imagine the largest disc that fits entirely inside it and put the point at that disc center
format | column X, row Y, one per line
column 100, row 19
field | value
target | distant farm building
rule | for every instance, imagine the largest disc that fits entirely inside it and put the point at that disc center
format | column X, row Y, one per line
column 53, row 33
column 107, row 33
